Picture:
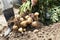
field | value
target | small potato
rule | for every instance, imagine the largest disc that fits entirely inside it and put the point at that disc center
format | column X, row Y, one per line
column 29, row 20
column 24, row 30
column 35, row 24
column 21, row 19
column 26, row 17
column 15, row 27
column 23, row 23
column 36, row 14
column 20, row 30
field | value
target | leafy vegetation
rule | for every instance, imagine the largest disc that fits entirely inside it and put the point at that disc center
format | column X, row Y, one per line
column 55, row 14
column 24, row 7
column 48, row 9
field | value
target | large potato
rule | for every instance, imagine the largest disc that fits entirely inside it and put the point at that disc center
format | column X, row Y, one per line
column 36, row 24
column 29, row 20
column 23, row 23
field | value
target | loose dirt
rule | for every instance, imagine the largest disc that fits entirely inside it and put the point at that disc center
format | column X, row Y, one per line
column 51, row 32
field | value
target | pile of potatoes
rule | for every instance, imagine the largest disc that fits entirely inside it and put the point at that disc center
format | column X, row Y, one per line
column 20, row 23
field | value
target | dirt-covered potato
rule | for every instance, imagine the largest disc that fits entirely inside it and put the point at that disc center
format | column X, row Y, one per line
column 35, row 24
column 29, row 20
column 21, row 19
column 24, row 29
column 23, row 23
column 20, row 30
column 36, row 14
column 15, row 27
column 26, row 17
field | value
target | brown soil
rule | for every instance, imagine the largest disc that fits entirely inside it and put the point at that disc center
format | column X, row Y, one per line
column 51, row 32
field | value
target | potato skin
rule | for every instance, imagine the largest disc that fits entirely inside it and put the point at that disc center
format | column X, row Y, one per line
column 35, row 24
column 23, row 23
column 21, row 19
column 15, row 27
column 36, row 14
column 26, row 17
column 29, row 20
column 20, row 30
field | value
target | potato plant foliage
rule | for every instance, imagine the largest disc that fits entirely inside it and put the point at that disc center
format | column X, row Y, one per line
column 52, row 7
column 55, row 14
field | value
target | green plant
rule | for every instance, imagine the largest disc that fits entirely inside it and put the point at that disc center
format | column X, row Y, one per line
column 52, row 7
column 24, row 7
column 55, row 14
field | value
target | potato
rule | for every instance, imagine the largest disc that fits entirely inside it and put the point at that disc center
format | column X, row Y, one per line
column 23, row 23
column 21, row 19
column 20, row 30
column 35, row 24
column 24, row 29
column 26, row 17
column 29, row 20
column 15, row 27
column 36, row 14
